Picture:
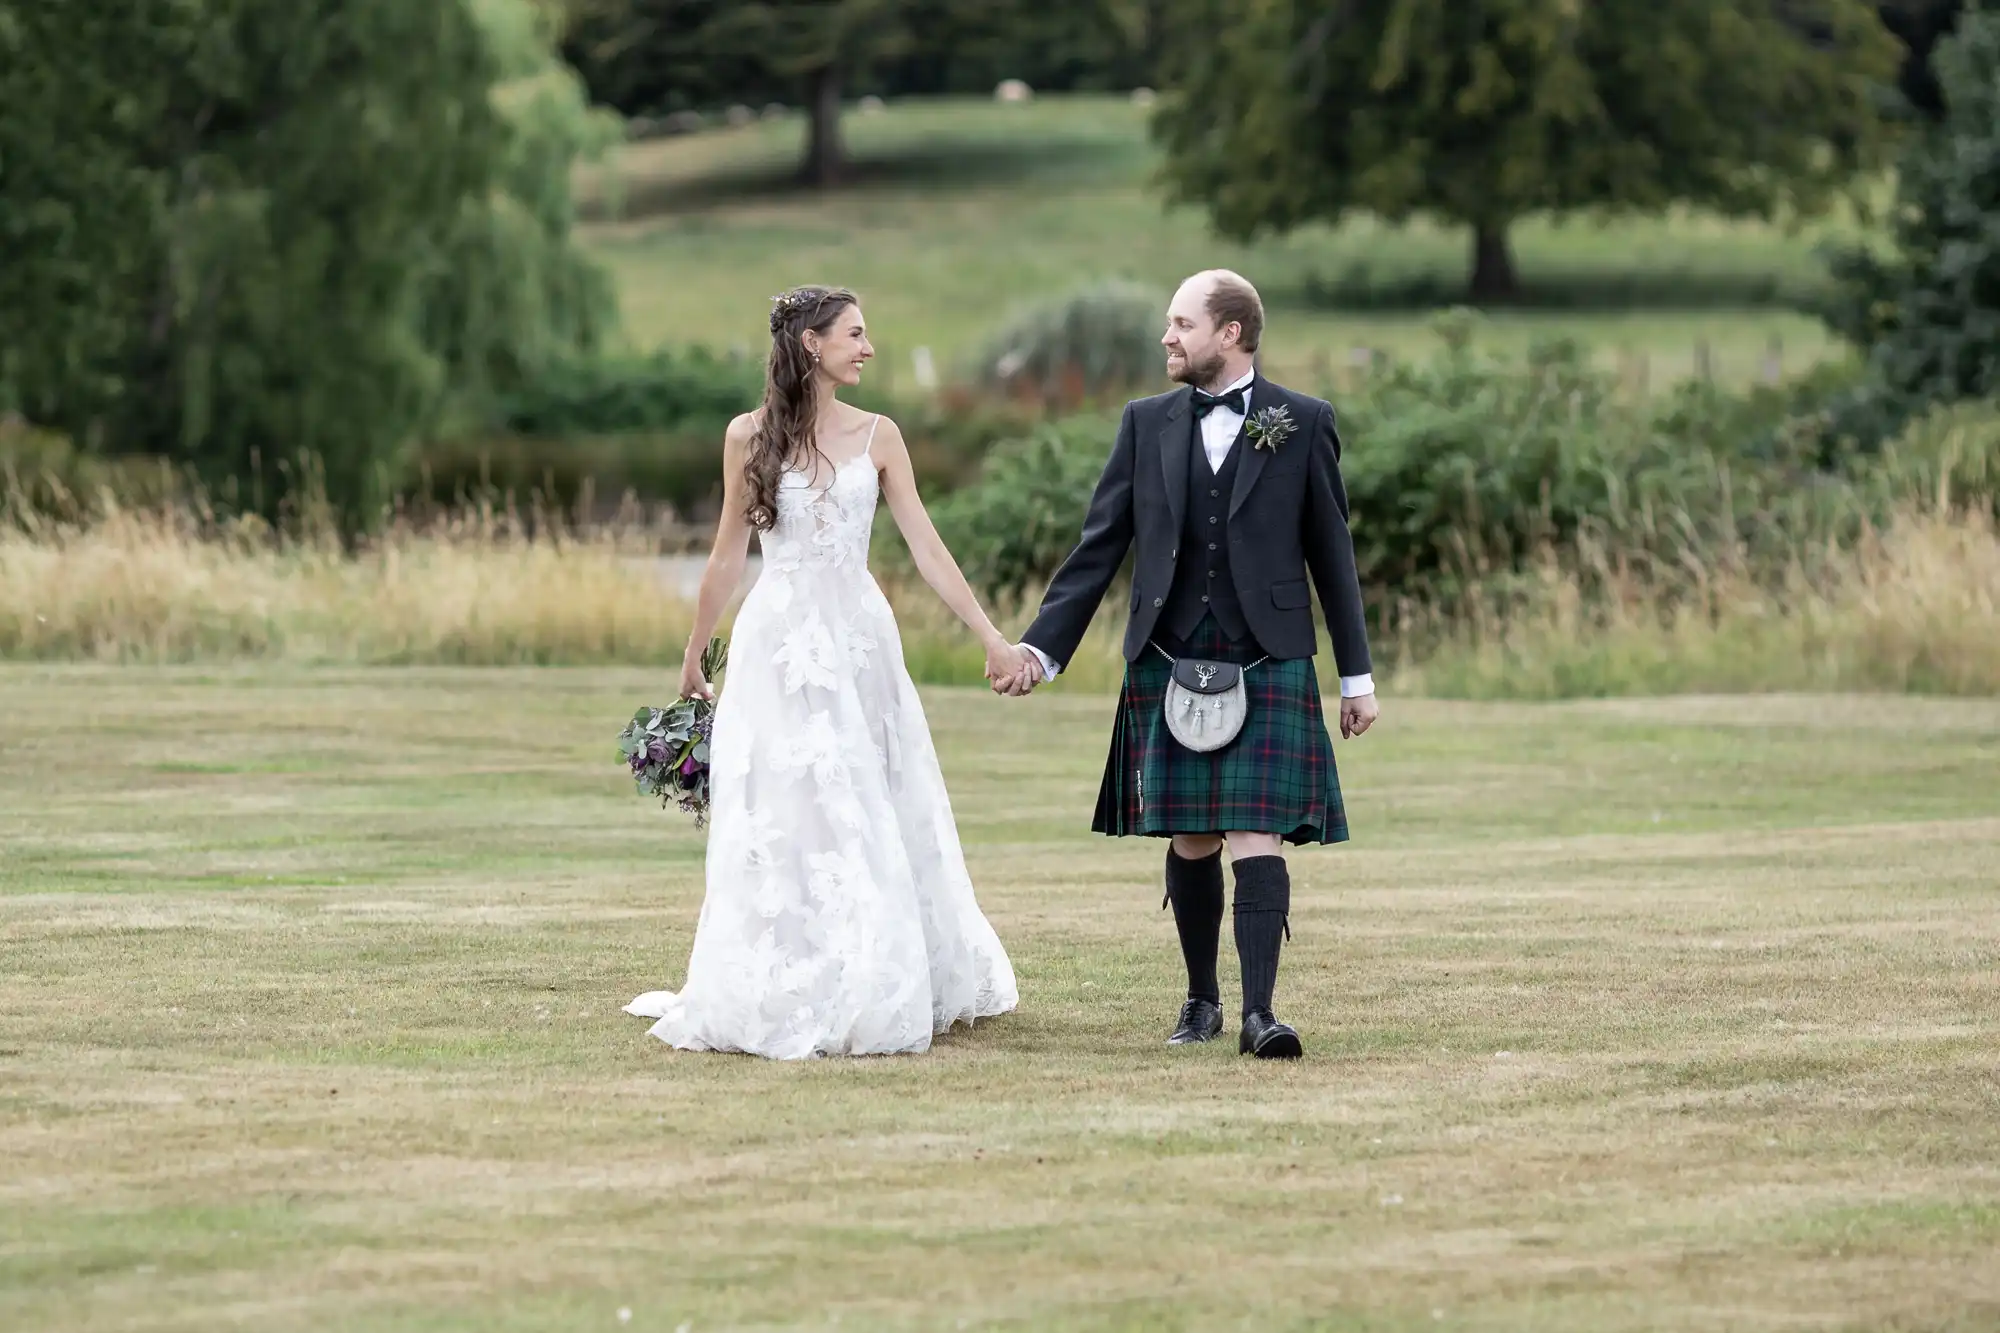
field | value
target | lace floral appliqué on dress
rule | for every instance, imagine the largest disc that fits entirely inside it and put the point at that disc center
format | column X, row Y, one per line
column 839, row 918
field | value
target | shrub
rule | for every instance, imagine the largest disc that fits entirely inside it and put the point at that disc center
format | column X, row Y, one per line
column 1464, row 465
column 1947, row 459
column 1463, row 468
column 43, row 474
column 653, row 425
column 1011, row 528
column 682, row 392
column 1096, row 343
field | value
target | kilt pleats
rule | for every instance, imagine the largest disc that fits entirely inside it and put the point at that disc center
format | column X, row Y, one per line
column 1277, row 776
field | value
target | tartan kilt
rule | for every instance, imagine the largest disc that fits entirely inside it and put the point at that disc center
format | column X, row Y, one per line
column 1277, row 776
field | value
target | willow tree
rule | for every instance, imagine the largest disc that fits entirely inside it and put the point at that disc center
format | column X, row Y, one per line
column 251, row 232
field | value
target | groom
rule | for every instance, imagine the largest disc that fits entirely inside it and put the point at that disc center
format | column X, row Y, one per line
column 1229, row 489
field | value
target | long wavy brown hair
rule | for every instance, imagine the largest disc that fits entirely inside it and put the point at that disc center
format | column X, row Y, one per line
column 787, row 432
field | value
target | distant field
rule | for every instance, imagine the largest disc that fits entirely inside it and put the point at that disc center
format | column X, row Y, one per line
column 962, row 210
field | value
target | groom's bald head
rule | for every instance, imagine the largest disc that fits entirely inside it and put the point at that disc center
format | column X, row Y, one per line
column 1213, row 327
column 1229, row 298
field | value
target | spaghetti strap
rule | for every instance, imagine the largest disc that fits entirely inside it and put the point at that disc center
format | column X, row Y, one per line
column 871, row 435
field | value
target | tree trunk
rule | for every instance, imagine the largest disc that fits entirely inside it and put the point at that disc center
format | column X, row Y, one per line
column 1493, row 278
column 1153, row 45
column 825, row 160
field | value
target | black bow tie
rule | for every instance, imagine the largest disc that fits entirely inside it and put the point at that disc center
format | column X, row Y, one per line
column 1236, row 400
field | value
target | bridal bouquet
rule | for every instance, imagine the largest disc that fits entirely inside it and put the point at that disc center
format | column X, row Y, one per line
column 666, row 749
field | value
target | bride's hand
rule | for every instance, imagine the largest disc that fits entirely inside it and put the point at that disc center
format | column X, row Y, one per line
column 1004, row 663
column 694, row 685
column 1013, row 669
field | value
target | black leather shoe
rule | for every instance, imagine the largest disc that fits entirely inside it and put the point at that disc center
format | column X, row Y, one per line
column 1201, row 1020
column 1268, row 1039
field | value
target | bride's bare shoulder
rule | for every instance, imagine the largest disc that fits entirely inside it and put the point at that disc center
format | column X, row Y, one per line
column 737, row 437
column 879, row 427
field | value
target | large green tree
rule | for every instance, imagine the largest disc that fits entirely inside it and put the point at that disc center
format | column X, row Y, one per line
column 1093, row 45
column 1485, row 111
column 1920, row 25
column 239, row 232
column 1929, row 313
column 648, row 56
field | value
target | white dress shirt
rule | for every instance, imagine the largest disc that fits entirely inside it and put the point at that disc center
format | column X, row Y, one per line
column 1222, row 425
column 1219, row 430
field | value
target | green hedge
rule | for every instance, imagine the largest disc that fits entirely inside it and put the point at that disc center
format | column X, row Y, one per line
column 691, row 392
column 654, row 425
column 1012, row 528
column 1463, row 466
column 42, row 473
column 649, row 424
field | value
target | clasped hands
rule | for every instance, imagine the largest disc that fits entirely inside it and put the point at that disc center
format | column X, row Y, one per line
column 1012, row 669
column 1015, row 671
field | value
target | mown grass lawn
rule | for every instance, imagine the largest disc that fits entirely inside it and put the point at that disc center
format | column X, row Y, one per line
column 1631, row 1015
column 963, row 210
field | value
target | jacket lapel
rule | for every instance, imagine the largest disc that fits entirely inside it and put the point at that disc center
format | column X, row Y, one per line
column 1253, row 459
column 1176, row 442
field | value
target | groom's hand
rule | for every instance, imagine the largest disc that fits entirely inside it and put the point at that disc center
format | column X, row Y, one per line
column 1022, row 682
column 1003, row 662
column 1357, row 715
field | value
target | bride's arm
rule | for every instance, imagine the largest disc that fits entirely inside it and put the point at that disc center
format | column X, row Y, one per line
column 724, row 574
column 934, row 561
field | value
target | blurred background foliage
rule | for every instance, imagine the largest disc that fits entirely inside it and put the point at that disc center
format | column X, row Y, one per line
column 1736, row 267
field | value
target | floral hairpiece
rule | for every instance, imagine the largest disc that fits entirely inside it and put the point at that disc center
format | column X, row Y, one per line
column 789, row 305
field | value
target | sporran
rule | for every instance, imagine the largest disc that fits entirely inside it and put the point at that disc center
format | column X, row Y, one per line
column 1207, row 702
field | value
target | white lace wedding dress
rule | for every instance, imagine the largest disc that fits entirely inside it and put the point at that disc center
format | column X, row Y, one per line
column 839, row 918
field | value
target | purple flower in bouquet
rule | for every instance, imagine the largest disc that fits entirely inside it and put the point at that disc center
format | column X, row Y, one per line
column 666, row 749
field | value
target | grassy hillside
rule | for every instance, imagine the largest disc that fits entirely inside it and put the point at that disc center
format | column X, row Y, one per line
column 961, row 210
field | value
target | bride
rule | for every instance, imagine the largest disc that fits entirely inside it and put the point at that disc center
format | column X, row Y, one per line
column 839, row 918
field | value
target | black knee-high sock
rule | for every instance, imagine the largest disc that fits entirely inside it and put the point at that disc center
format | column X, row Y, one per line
column 1195, row 890
column 1263, row 905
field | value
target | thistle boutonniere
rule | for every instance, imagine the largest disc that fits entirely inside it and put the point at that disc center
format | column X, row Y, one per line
column 1270, row 428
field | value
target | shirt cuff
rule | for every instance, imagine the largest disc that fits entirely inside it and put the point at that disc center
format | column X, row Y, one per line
column 1049, row 669
column 1353, row 687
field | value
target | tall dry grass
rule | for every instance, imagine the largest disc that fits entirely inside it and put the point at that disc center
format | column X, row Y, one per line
column 1914, row 607
column 482, row 588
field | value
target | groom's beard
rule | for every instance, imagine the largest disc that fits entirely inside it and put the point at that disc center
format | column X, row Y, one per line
column 1197, row 372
